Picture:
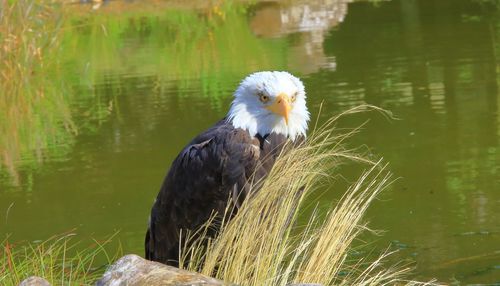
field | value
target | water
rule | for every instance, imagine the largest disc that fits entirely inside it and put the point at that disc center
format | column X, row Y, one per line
column 144, row 82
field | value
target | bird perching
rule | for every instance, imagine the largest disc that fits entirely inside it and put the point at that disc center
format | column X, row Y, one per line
column 226, row 162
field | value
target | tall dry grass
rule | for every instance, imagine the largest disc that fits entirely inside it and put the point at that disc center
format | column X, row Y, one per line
column 34, row 111
column 264, row 243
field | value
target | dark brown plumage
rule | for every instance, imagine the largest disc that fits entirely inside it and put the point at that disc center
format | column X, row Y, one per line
column 213, row 167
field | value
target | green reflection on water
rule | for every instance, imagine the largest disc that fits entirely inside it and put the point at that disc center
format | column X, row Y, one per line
column 142, row 84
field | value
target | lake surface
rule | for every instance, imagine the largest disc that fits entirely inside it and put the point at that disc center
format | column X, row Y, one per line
column 143, row 79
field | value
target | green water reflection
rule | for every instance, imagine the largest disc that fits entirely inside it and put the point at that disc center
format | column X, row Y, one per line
column 143, row 83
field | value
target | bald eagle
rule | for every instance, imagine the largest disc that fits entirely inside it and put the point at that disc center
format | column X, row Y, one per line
column 268, row 109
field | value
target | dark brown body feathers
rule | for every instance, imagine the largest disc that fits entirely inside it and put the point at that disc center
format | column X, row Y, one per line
column 213, row 167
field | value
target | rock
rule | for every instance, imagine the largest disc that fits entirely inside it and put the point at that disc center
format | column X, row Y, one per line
column 34, row 281
column 133, row 270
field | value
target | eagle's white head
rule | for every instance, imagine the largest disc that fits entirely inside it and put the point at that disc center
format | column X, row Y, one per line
column 270, row 102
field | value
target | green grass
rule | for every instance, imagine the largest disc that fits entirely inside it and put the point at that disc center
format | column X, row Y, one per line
column 265, row 243
column 60, row 260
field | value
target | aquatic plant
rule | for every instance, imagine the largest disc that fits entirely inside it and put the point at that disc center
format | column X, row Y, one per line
column 264, row 244
column 59, row 259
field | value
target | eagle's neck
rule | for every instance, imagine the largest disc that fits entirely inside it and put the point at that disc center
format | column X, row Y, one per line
column 262, row 140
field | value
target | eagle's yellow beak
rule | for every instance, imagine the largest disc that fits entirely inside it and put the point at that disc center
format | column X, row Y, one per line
column 281, row 106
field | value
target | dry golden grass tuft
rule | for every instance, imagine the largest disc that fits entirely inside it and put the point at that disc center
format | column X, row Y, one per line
column 263, row 244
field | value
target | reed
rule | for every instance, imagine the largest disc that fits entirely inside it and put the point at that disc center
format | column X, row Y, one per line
column 264, row 243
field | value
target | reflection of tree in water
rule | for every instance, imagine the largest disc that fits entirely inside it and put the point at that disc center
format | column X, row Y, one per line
column 435, row 64
column 307, row 22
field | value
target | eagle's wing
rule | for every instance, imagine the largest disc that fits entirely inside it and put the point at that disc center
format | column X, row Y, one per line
column 213, row 167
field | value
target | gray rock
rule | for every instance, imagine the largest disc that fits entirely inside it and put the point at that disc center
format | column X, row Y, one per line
column 132, row 270
column 34, row 281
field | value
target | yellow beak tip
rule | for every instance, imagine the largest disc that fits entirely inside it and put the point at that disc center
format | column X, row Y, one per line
column 281, row 107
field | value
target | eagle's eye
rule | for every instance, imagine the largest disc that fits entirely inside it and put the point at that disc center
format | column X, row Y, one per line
column 263, row 98
column 293, row 97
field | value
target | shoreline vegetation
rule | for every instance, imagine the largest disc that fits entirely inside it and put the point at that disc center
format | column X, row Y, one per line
column 33, row 99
